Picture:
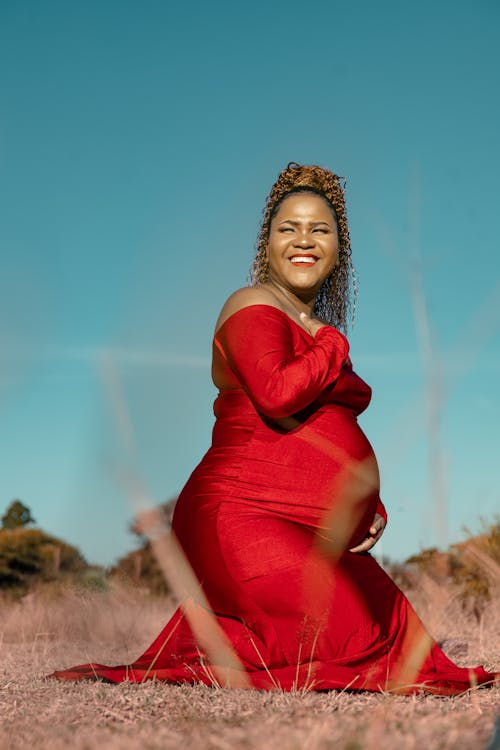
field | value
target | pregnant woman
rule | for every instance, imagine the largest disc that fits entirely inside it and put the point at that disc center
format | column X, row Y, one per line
column 277, row 519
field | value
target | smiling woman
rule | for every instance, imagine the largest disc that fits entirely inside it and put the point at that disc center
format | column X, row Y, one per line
column 277, row 520
column 333, row 301
column 303, row 244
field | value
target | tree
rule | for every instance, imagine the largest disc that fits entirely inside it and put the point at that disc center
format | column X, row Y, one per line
column 28, row 556
column 16, row 516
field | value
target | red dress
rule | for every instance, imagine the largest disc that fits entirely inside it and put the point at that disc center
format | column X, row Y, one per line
column 266, row 519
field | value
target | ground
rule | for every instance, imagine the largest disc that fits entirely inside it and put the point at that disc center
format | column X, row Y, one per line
column 45, row 631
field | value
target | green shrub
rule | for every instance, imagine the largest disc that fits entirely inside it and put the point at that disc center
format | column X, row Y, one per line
column 141, row 567
column 16, row 516
column 474, row 564
column 30, row 555
column 424, row 560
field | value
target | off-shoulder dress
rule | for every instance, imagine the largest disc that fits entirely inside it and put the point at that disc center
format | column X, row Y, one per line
column 266, row 520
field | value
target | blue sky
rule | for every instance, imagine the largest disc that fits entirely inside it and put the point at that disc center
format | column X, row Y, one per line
column 138, row 141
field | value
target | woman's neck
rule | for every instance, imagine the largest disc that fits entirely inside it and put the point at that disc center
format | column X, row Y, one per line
column 296, row 303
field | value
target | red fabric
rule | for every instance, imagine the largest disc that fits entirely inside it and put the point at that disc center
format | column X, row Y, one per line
column 288, row 485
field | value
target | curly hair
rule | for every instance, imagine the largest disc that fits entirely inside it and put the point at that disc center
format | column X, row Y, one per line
column 338, row 293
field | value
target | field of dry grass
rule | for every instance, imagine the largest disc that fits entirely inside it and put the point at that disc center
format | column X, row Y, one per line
column 55, row 628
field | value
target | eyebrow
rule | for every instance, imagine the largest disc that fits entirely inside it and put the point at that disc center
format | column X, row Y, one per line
column 297, row 223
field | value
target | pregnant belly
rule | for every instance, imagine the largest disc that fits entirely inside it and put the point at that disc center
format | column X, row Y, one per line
column 326, row 465
column 310, row 475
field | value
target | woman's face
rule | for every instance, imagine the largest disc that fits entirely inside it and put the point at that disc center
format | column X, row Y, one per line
column 303, row 246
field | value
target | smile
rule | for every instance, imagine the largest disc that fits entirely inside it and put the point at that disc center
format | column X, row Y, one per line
column 303, row 260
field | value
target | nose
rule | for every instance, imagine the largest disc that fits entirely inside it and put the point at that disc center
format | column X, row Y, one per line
column 304, row 240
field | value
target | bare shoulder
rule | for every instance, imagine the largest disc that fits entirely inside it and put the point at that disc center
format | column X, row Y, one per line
column 244, row 297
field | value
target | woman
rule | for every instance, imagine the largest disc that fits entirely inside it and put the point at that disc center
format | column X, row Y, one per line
column 277, row 519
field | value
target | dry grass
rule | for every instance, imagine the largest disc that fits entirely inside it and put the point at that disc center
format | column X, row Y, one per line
column 54, row 628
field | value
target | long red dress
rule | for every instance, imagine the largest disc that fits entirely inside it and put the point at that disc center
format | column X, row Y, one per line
column 266, row 521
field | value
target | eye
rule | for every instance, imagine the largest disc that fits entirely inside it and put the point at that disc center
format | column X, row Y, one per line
column 321, row 229
column 286, row 229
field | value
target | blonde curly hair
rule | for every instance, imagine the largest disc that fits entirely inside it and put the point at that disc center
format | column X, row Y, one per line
column 336, row 300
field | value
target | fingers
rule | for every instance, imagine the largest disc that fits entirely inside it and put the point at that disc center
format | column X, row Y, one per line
column 378, row 526
column 364, row 546
column 375, row 532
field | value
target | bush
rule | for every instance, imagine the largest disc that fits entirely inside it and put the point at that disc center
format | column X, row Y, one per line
column 30, row 555
column 474, row 565
column 141, row 568
column 17, row 515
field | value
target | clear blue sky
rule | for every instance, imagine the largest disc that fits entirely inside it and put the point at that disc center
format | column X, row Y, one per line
column 138, row 141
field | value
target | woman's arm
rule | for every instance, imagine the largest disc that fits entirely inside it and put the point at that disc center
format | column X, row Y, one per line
column 257, row 343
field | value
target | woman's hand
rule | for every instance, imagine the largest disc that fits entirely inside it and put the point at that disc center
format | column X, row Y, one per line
column 374, row 533
column 313, row 325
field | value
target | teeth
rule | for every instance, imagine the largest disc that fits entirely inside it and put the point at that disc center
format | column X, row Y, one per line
column 302, row 259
